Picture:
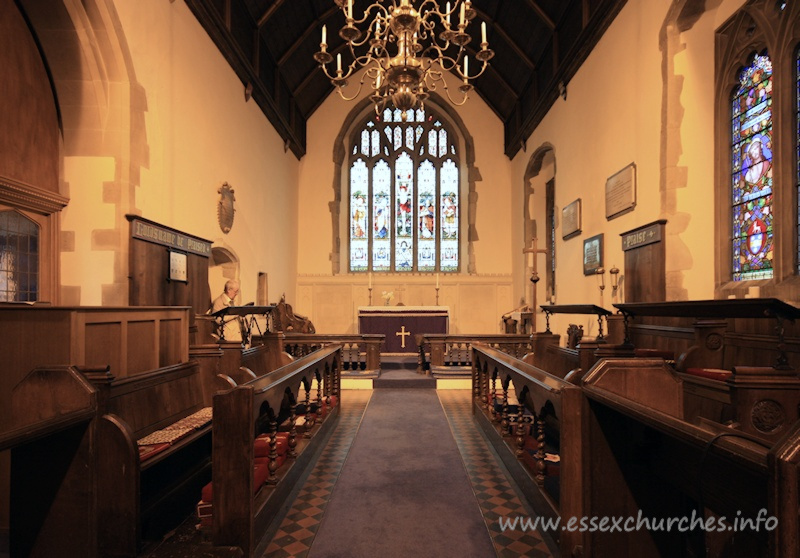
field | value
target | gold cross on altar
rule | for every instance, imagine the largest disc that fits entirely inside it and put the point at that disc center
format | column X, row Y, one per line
column 402, row 333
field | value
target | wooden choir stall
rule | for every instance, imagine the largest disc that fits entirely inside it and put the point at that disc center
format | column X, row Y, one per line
column 687, row 434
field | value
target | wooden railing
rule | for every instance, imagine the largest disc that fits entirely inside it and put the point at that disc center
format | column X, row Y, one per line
column 543, row 427
column 360, row 352
column 439, row 350
column 242, row 511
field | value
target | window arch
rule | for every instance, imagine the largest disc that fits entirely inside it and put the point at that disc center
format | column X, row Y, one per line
column 757, row 135
column 404, row 192
column 19, row 258
column 751, row 166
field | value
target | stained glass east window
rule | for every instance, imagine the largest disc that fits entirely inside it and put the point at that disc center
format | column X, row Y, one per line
column 404, row 195
column 751, row 177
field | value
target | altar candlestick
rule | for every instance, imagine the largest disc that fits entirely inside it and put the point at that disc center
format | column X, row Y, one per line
column 370, row 279
column 437, row 280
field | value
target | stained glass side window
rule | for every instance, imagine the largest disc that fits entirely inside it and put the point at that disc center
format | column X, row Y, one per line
column 404, row 195
column 19, row 258
column 751, row 157
column 450, row 216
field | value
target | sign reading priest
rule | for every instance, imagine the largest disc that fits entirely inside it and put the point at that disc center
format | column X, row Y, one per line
column 401, row 323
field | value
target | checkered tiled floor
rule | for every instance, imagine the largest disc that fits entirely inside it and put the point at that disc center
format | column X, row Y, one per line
column 496, row 495
column 299, row 527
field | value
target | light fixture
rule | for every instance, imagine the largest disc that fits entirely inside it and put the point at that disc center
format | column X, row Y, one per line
column 601, row 278
column 614, row 271
column 423, row 47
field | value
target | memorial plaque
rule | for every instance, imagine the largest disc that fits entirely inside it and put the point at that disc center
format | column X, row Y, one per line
column 592, row 254
column 621, row 192
column 571, row 220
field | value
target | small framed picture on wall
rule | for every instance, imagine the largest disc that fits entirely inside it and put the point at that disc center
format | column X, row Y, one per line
column 592, row 254
column 177, row 266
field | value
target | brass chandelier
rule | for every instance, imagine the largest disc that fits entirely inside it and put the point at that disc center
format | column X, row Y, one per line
column 420, row 55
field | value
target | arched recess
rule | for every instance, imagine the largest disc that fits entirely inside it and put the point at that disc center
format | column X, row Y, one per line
column 29, row 160
column 223, row 265
column 538, row 228
column 340, row 150
column 102, row 110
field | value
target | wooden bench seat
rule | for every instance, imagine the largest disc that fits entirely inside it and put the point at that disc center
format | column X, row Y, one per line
column 141, row 498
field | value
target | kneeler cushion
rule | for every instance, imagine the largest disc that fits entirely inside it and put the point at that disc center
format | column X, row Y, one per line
column 260, row 475
column 261, row 444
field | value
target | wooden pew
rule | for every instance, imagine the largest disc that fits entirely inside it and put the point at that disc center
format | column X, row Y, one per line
column 140, row 495
column 580, row 354
column 52, row 454
column 241, row 510
column 443, row 355
column 548, row 411
column 709, row 339
column 643, row 456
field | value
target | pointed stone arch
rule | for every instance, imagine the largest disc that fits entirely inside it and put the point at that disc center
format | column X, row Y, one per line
column 470, row 170
column 101, row 108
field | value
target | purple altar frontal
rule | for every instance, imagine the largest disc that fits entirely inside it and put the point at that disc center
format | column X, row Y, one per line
column 401, row 323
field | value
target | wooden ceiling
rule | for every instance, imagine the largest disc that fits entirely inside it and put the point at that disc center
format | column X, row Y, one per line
column 538, row 45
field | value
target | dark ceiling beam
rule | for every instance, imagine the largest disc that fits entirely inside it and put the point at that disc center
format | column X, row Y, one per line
column 313, row 28
column 495, row 28
column 268, row 14
column 542, row 15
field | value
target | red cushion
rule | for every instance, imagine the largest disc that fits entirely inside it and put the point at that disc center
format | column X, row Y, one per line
column 260, row 476
column 710, row 373
column 261, row 444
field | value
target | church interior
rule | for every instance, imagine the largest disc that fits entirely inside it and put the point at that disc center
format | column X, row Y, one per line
column 323, row 278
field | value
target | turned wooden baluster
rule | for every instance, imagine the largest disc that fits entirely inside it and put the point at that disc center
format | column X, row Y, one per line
column 520, row 431
column 504, row 414
column 319, row 394
column 492, row 397
column 476, row 384
column 334, row 387
column 273, row 451
column 540, row 464
column 292, row 442
column 309, row 420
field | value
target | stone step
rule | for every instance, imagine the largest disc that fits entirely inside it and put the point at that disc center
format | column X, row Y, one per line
column 403, row 379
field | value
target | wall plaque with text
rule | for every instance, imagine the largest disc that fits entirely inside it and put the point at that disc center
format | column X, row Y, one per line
column 621, row 192
column 571, row 220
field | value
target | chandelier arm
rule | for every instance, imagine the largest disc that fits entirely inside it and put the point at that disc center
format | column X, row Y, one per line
column 378, row 7
column 457, row 103
column 340, row 90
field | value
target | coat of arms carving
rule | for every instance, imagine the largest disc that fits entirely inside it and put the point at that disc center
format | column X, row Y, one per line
column 225, row 208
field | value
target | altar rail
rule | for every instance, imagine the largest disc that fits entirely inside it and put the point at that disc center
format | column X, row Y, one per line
column 359, row 351
column 442, row 353
column 242, row 511
column 545, row 421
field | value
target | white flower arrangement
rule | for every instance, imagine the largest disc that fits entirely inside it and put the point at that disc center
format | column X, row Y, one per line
column 387, row 297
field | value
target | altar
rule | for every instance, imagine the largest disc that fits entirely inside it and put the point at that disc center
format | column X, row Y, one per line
column 400, row 323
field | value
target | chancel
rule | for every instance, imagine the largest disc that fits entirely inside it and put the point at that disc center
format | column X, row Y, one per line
column 474, row 296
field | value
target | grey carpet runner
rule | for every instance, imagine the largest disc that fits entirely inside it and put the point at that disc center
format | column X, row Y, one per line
column 403, row 491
